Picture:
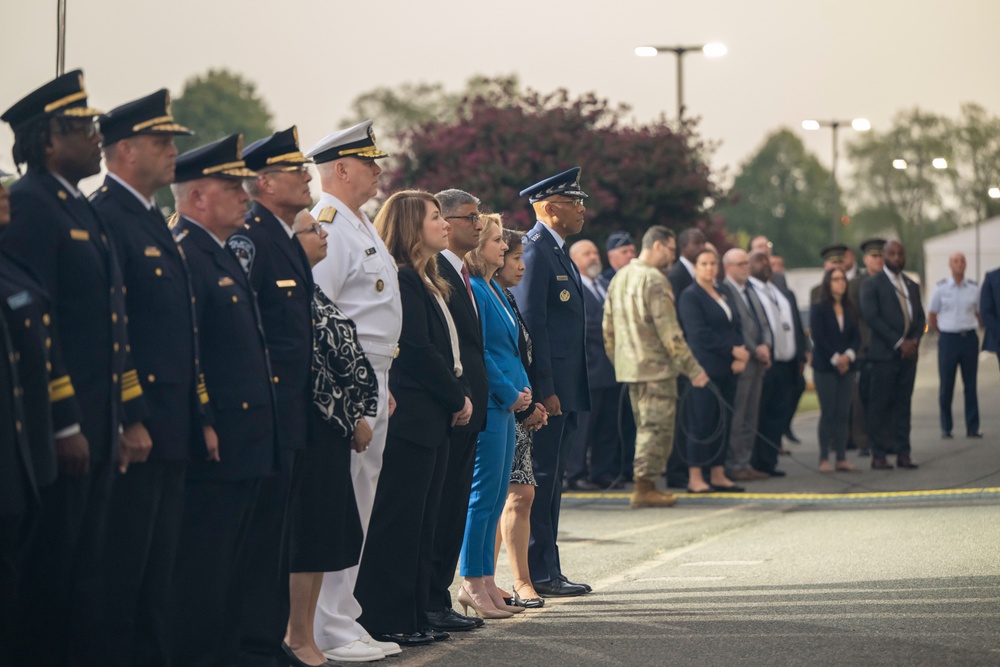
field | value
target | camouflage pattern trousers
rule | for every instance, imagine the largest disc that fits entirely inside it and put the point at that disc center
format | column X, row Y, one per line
column 654, row 405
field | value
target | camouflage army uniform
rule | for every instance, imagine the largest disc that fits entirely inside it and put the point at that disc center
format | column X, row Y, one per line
column 644, row 340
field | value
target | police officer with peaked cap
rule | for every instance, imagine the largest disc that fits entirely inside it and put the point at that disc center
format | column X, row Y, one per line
column 551, row 300
column 63, row 242
column 871, row 257
column 359, row 276
column 146, row 501
column 281, row 276
column 221, row 489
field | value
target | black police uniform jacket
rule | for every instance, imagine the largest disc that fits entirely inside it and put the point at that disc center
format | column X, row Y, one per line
column 233, row 359
column 280, row 274
column 161, row 321
column 63, row 243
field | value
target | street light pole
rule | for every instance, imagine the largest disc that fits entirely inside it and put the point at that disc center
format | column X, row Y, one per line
column 858, row 124
column 60, row 37
column 711, row 50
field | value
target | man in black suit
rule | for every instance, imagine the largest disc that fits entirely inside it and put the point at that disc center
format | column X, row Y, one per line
column 594, row 461
column 779, row 393
column 221, row 489
column 146, row 502
column 60, row 239
column 281, row 277
column 890, row 304
column 691, row 241
column 461, row 210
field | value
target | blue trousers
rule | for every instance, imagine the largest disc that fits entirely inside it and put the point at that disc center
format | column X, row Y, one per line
column 958, row 350
column 494, row 458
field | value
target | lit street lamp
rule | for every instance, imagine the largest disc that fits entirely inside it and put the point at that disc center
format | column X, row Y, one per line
column 711, row 50
column 859, row 125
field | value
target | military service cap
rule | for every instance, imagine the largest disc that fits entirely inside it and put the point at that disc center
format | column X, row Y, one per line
column 873, row 247
column 357, row 141
column 63, row 96
column 619, row 239
column 833, row 253
column 146, row 115
column 567, row 184
column 281, row 149
column 219, row 159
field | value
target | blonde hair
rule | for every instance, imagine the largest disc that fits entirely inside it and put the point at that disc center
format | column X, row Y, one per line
column 400, row 223
column 474, row 260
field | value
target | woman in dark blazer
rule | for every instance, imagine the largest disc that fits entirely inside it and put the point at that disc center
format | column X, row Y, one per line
column 393, row 579
column 833, row 321
column 713, row 331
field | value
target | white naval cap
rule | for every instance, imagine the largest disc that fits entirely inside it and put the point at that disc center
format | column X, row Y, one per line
column 357, row 141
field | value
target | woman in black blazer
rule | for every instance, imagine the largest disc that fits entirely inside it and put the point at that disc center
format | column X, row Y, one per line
column 713, row 331
column 393, row 579
column 833, row 322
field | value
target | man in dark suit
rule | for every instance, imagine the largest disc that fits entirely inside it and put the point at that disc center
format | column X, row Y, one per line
column 691, row 241
column 551, row 301
column 890, row 304
column 872, row 258
column 989, row 310
column 221, row 489
column 60, row 239
column 461, row 210
column 281, row 277
column 146, row 502
column 594, row 461
column 779, row 393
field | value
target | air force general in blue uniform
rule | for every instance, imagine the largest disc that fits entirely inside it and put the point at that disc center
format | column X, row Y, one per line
column 551, row 301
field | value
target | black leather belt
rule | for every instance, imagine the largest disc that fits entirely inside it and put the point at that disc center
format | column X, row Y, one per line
column 967, row 332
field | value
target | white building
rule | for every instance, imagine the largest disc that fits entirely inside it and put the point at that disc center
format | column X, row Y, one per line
column 938, row 249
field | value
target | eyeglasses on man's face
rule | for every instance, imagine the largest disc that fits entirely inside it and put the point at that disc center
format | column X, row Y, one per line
column 473, row 218
column 88, row 127
column 575, row 201
column 314, row 228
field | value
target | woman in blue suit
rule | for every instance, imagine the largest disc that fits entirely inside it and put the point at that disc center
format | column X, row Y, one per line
column 713, row 331
column 833, row 322
column 508, row 393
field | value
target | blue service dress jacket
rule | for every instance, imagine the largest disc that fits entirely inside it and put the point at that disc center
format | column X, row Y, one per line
column 550, row 297
column 504, row 369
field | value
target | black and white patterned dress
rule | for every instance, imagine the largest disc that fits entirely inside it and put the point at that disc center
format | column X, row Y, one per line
column 521, row 472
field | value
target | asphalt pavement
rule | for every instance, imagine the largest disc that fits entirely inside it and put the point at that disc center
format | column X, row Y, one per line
column 877, row 568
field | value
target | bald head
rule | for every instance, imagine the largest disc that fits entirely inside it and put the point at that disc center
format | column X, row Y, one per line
column 586, row 257
column 957, row 265
column 737, row 265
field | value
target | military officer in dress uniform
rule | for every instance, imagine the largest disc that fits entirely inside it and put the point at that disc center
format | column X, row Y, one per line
column 954, row 311
column 551, row 301
column 282, row 278
column 221, row 488
column 59, row 238
column 27, row 455
column 147, row 500
column 359, row 275
column 871, row 256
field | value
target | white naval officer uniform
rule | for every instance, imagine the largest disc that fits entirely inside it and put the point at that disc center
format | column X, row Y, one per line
column 359, row 275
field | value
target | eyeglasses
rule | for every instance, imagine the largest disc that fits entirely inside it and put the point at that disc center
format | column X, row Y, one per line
column 576, row 201
column 314, row 228
column 472, row 217
column 89, row 128
column 299, row 170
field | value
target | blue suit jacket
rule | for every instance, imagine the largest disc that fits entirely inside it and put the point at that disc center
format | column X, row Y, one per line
column 550, row 297
column 828, row 338
column 504, row 370
column 709, row 333
column 989, row 310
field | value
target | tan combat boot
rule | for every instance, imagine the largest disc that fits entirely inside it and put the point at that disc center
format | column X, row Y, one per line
column 646, row 494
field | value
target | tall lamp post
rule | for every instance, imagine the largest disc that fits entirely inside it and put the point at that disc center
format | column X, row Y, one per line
column 859, row 125
column 711, row 50
column 938, row 163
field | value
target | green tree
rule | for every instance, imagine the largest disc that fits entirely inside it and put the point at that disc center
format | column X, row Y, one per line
column 783, row 192
column 975, row 165
column 219, row 103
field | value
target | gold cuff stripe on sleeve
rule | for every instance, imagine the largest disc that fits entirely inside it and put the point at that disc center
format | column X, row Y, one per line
column 61, row 389
column 131, row 393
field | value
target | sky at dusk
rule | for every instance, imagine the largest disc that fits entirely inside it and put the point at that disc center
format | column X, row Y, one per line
column 788, row 59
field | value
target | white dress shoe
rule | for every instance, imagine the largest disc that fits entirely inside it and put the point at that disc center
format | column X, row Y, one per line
column 356, row 651
column 388, row 648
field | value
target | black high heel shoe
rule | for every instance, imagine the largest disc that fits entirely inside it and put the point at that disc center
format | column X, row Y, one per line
column 294, row 661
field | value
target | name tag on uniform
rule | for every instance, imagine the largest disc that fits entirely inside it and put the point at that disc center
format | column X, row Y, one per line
column 225, row 281
column 562, row 277
column 369, row 252
column 79, row 234
column 152, row 251
column 19, row 300
column 786, row 326
column 286, row 283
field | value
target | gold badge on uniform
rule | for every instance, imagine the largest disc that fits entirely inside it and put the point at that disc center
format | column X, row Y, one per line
column 225, row 281
column 151, row 251
column 79, row 234
column 285, row 283
column 564, row 295
column 379, row 285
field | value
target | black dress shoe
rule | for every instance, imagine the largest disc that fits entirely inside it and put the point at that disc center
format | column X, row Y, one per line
column 435, row 635
column 946, row 435
column 415, row 639
column 582, row 485
column 792, row 437
column 976, row 436
column 727, row 489
column 776, row 473
column 449, row 621
column 879, row 463
column 903, row 461
column 708, row 490
column 573, row 583
column 293, row 660
column 528, row 603
column 557, row 588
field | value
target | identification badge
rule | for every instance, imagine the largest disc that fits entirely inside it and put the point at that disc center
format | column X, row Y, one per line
column 79, row 234
column 226, row 281
column 562, row 278
column 369, row 252
column 151, row 251
column 286, row 283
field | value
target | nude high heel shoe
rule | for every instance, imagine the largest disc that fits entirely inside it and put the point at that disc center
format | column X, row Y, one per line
column 466, row 601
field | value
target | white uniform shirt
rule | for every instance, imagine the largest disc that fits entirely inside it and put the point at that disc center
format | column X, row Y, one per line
column 357, row 264
column 956, row 305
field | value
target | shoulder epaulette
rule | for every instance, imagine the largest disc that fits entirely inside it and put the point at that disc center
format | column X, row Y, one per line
column 327, row 214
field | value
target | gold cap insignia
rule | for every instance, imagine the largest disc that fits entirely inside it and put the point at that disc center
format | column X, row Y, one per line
column 564, row 295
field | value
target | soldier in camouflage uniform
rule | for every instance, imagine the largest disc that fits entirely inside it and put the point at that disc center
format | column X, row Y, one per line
column 644, row 340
